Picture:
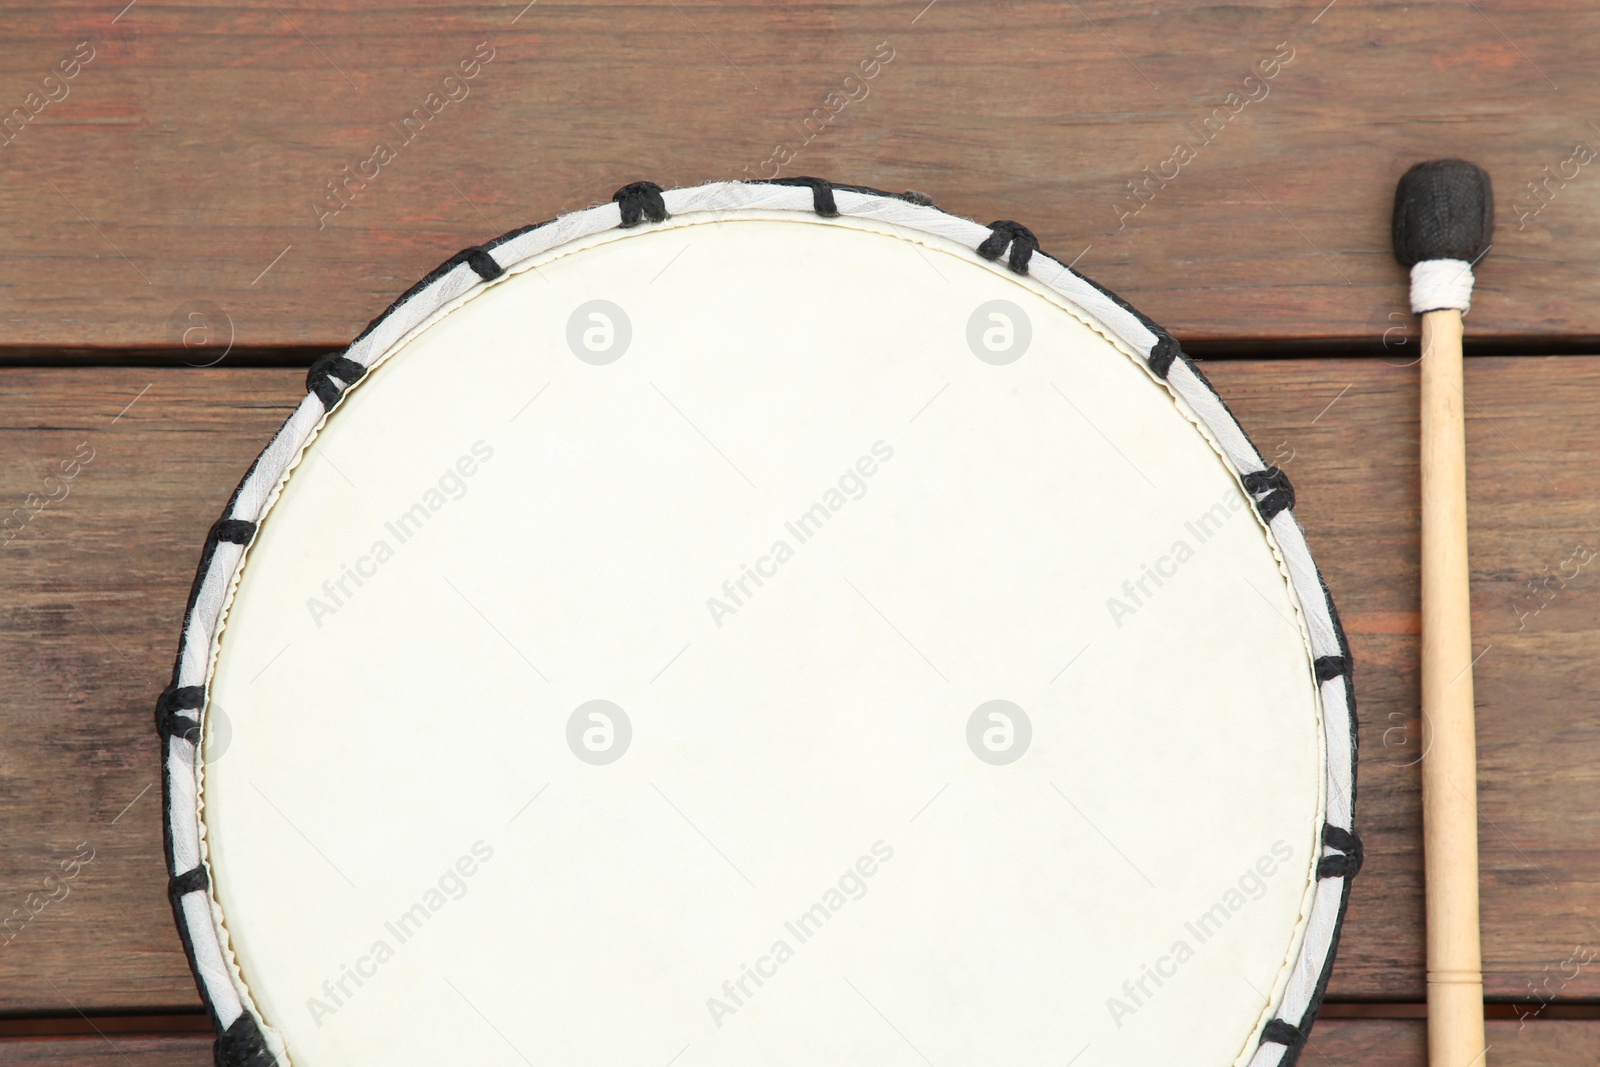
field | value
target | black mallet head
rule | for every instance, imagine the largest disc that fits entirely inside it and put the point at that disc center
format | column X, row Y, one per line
column 1443, row 209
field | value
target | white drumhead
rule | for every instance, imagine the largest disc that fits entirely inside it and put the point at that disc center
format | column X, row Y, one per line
column 756, row 637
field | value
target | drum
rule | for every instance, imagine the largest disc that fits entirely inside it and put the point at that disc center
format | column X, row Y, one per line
column 760, row 624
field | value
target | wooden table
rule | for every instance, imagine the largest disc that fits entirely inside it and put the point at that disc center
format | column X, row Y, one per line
column 172, row 255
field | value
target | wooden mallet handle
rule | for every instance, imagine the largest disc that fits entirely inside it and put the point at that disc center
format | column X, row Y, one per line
column 1449, row 762
column 1442, row 224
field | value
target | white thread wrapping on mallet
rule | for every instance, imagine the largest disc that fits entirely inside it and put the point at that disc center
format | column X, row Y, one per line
column 1441, row 283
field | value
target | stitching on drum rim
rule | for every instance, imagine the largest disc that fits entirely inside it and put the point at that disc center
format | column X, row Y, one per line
column 1161, row 356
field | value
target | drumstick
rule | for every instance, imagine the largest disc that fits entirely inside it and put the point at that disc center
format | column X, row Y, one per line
column 1443, row 219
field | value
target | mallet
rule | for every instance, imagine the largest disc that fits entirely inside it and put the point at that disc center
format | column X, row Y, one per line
column 1443, row 220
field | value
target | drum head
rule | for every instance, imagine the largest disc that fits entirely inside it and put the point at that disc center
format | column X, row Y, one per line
column 765, row 625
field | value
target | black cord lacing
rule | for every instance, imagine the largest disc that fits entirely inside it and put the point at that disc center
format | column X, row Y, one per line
column 640, row 202
column 1005, row 234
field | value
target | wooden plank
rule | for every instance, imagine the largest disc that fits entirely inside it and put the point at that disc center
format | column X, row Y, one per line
column 1368, row 1043
column 112, row 1051
column 93, row 590
column 1404, row 1043
column 1333, row 1042
column 177, row 192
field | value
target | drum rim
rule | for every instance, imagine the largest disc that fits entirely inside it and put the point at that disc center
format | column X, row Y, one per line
column 243, row 1037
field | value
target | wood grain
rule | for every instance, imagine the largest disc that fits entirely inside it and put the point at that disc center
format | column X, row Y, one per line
column 111, row 1051
column 93, row 591
column 93, row 588
column 172, row 196
column 1333, row 1043
column 1403, row 1043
